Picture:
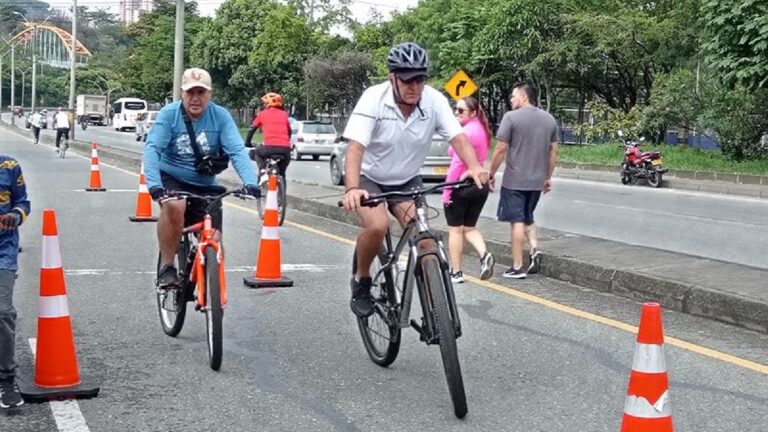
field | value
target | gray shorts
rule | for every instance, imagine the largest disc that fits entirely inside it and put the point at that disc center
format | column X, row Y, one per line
column 375, row 188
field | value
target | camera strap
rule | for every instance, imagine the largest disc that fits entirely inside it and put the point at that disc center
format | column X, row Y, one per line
column 191, row 132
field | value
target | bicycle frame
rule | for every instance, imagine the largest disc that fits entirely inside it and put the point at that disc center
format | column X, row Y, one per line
column 196, row 267
column 416, row 231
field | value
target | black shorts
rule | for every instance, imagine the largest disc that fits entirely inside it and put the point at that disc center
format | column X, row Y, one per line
column 466, row 205
column 195, row 208
column 375, row 188
column 517, row 205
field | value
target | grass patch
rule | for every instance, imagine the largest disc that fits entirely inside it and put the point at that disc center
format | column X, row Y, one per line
column 675, row 158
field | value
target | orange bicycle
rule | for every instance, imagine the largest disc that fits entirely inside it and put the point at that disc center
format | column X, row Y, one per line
column 200, row 260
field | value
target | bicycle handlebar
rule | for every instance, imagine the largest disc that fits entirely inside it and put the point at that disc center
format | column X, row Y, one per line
column 374, row 200
column 241, row 193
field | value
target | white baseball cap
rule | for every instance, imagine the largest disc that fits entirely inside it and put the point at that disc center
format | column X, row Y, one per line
column 196, row 77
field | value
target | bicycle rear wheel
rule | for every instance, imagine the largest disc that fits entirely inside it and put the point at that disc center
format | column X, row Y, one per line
column 282, row 198
column 214, row 314
column 380, row 332
column 433, row 277
column 172, row 303
column 63, row 149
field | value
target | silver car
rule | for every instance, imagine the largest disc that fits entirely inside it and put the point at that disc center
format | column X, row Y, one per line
column 313, row 138
column 435, row 166
column 143, row 123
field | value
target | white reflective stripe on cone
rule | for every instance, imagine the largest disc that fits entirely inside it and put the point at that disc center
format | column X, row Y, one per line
column 641, row 408
column 272, row 200
column 649, row 358
column 270, row 233
column 94, row 167
column 94, row 153
column 51, row 253
column 52, row 306
column 143, row 188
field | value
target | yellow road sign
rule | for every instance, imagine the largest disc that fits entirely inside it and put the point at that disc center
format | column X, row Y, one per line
column 460, row 85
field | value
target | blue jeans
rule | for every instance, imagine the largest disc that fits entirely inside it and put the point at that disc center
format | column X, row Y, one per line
column 7, row 325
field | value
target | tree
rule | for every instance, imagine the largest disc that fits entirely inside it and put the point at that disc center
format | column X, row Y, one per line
column 736, row 35
column 338, row 82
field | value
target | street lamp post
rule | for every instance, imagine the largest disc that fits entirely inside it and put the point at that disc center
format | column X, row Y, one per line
column 23, row 85
column 13, row 84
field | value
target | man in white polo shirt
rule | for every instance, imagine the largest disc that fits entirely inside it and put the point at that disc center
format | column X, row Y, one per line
column 389, row 134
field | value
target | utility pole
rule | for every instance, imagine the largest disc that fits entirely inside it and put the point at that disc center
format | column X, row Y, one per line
column 178, row 50
column 72, row 65
column 311, row 21
column 34, row 66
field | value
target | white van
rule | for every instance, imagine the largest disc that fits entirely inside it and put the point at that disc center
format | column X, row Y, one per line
column 125, row 112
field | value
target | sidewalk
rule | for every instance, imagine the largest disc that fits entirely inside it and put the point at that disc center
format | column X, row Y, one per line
column 718, row 290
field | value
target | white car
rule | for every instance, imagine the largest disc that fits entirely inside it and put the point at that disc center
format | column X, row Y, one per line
column 435, row 166
column 313, row 138
column 144, row 123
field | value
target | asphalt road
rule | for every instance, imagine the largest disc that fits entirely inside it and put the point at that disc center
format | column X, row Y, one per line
column 293, row 359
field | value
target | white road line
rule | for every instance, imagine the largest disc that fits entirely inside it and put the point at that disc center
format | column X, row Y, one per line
column 311, row 268
column 66, row 413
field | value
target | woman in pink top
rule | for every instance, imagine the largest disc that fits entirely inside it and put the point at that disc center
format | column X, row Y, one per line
column 463, row 206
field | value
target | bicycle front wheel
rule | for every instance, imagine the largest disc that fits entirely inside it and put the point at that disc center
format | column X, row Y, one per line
column 380, row 332
column 171, row 303
column 214, row 314
column 433, row 277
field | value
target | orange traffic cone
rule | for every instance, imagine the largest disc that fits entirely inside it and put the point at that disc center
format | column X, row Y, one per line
column 95, row 183
column 56, row 370
column 647, row 408
column 268, row 264
column 143, row 202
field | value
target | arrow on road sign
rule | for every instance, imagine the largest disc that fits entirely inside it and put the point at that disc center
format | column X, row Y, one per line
column 461, row 84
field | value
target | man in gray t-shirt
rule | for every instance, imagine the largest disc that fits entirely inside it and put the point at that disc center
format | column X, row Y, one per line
column 527, row 137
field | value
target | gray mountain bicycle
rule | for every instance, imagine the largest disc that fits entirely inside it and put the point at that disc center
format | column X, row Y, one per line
column 426, row 271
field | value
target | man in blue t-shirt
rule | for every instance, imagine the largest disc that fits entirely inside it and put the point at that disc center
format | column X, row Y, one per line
column 170, row 163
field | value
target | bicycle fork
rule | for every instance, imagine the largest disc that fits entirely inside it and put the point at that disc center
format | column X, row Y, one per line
column 200, row 279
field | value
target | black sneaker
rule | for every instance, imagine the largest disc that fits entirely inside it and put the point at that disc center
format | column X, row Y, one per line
column 457, row 277
column 167, row 277
column 486, row 266
column 535, row 264
column 361, row 303
column 9, row 394
column 513, row 273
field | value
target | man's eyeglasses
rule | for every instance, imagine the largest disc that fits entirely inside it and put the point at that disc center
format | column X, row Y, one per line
column 415, row 80
column 460, row 110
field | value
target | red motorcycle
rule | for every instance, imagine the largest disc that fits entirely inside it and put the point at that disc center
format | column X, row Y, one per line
column 638, row 164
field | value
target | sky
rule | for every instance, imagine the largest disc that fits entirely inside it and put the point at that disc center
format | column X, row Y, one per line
column 360, row 8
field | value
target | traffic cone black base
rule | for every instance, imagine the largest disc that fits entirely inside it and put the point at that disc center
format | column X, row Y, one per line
column 142, row 219
column 253, row 282
column 31, row 393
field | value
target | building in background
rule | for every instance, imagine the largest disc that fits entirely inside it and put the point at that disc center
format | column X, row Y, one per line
column 130, row 10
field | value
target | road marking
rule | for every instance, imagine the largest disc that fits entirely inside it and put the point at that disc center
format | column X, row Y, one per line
column 706, row 352
column 66, row 413
column 310, row 268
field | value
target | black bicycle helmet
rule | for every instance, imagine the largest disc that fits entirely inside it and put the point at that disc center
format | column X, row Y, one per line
column 408, row 58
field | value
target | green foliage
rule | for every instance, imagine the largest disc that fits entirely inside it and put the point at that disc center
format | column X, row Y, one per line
column 608, row 121
column 740, row 118
column 338, row 82
column 674, row 102
column 736, row 35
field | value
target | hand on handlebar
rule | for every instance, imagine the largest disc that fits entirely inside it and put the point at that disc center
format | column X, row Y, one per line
column 352, row 198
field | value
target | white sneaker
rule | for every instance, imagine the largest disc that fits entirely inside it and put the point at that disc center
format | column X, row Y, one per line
column 486, row 266
column 457, row 277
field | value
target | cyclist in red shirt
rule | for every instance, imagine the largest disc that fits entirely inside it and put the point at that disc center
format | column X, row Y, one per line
column 274, row 124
